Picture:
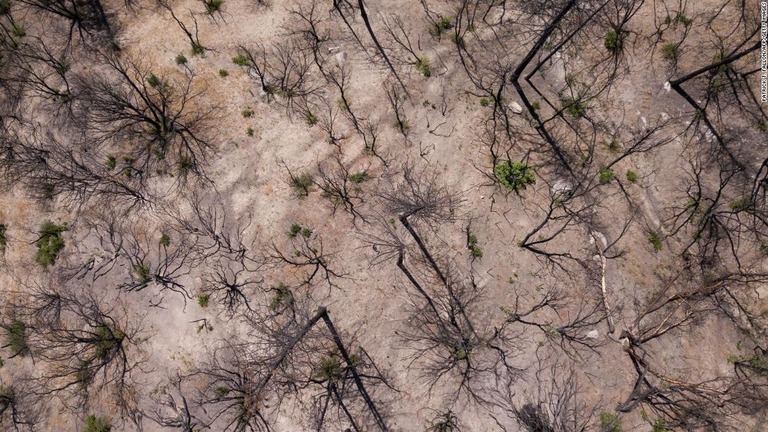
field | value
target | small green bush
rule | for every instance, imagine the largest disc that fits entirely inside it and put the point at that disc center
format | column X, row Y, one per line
column 181, row 59
column 302, row 184
column 655, row 240
column 484, row 102
column 476, row 252
column 185, row 165
column 223, row 73
column 423, row 65
column 282, row 298
column 165, row 240
column 50, row 243
column 295, row 230
column 574, row 107
column 5, row 7
column 18, row 30
column 614, row 146
column 97, row 424
column 613, row 41
column 241, row 60
column 631, row 176
column 197, row 49
column 358, row 177
column 107, row 339
column 153, row 80
column 515, row 176
column 202, row 300
column 606, row 175
column 740, row 204
column 3, row 239
column 142, row 272
column 310, row 118
column 17, row 339
column 249, row 131
column 330, row 368
column 610, row 422
column 441, row 26
column 670, row 51
column 213, row 6
column 536, row 105
column 247, row 113
column 111, row 162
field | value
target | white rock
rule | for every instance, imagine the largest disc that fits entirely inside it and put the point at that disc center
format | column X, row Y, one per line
column 667, row 86
column 515, row 107
column 598, row 235
column 562, row 187
column 664, row 116
column 593, row 334
column 341, row 57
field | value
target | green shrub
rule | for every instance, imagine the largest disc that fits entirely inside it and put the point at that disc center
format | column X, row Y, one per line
column 515, row 176
column 223, row 73
column 310, row 118
column 476, row 252
column 471, row 240
column 282, row 298
column 184, row 165
column 484, row 102
column 631, row 176
column 50, row 243
column 614, row 146
column 358, row 177
column 536, row 105
column 97, row 424
column 658, row 426
column 17, row 339
column 153, row 80
column 3, row 239
column 670, row 51
column 295, row 230
column 165, row 240
column 142, row 272
column 18, row 30
column 5, row 7
column 241, row 60
column 197, row 49
column 249, row 131
column 301, row 184
column 247, row 113
column 655, row 240
column 610, row 422
column 441, row 26
column 107, row 339
column 574, row 107
column 740, row 204
column 330, row 368
column 606, row 175
column 181, row 59
column 202, row 300
column 111, row 162
column 612, row 41
column 423, row 65
column 213, row 6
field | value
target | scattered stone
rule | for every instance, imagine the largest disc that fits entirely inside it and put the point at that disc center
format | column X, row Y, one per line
column 593, row 334
column 667, row 86
column 515, row 107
